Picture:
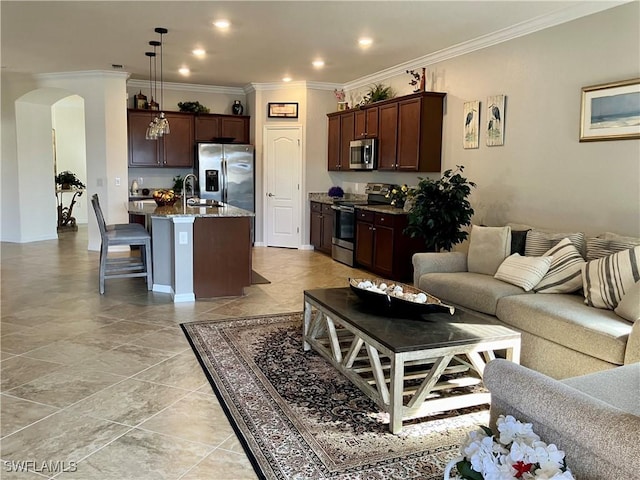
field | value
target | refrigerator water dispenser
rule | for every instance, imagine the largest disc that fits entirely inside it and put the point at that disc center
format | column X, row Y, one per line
column 212, row 183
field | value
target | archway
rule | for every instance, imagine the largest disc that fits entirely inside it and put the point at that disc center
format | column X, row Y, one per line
column 38, row 114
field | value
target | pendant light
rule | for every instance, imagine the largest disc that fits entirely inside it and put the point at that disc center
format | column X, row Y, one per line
column 159, row 126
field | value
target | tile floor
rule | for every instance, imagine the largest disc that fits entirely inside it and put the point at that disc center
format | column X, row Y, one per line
column 107, row 385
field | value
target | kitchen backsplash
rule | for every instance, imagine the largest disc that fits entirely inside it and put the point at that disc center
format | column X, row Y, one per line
column 154, row 178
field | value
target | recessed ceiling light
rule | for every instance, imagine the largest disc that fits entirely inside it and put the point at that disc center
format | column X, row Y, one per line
column 318, row 63
column 222, row 24
column 198, row 52
column 184, row 71
column 286, row 79
column 365, row 42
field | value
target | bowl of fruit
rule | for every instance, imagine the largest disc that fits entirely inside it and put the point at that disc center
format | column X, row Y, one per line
column 164, row 197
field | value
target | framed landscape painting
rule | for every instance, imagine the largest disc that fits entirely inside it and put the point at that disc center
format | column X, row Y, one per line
column 471, row 132
column 610, row 111
column 495, row 120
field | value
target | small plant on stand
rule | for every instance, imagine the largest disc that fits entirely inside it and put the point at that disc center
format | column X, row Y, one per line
column 340, row 96
column 67, row 179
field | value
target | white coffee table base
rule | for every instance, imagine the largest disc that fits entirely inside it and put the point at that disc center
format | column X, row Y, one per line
column 387, row 377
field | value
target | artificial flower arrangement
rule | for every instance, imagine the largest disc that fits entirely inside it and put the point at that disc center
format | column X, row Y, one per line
column 336, row 192
column 398, row 195
column 517, row 452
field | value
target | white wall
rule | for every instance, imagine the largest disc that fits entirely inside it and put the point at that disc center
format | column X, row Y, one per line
column 543, row 175
column 71, row 148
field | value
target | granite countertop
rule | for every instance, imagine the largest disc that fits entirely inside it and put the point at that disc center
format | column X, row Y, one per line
column 149, row 207
column 388, row 209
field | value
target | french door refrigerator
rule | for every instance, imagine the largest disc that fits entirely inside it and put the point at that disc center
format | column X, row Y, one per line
column 226, row 172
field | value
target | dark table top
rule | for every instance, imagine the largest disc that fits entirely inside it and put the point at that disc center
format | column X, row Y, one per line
column 421, row 332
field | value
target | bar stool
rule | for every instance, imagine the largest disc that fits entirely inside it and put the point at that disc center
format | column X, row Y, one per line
column 131, row 234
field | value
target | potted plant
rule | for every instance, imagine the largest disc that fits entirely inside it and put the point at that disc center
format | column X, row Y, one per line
column 67, row 180
column 177, row 184
column 378, row 92
column 439, row 209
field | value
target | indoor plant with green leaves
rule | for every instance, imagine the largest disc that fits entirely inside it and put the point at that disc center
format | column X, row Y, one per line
column 67, row 179
column 440, row 209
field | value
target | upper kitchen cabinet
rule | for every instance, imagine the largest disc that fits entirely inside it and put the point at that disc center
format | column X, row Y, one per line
column 212, row 127
column 387, row 136
column 366, row 123
column 340, row 132
column 172, row 150
column 333, row 150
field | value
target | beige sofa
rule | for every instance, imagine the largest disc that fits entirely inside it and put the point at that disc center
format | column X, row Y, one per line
column 594, row 418
column 561, row 336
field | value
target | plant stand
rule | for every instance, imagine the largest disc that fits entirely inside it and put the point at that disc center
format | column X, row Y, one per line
column 66, row 222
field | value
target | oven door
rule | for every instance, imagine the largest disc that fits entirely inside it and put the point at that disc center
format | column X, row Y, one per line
column 344, row 220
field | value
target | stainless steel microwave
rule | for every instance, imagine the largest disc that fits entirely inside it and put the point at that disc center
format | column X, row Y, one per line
column 363, row 154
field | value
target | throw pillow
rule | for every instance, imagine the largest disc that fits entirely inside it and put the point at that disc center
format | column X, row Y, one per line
column 629, row 306
column 488, row 247
column 565, row 272
column 525, row 272
column 606, row 280
column 608, row 244
column 518, row 241
column 538, row 242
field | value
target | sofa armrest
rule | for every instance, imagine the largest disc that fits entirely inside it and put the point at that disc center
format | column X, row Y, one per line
column 600, row 441
column 632, row 352
column 441, row 262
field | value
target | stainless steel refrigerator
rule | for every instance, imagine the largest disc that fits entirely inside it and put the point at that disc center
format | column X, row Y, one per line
column 226, row 172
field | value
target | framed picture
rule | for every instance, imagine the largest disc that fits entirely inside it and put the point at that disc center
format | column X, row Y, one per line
column 471, row 132
column 495, row 120
column 282, row 110
column 610, row 111
column 140, row 101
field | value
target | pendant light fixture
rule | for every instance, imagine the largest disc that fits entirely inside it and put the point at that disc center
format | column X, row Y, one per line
column 159, row 126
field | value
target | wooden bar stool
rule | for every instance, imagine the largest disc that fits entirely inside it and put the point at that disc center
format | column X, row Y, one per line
column 131, row 234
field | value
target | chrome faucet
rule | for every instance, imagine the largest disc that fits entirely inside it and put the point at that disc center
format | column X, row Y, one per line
column 184, row 189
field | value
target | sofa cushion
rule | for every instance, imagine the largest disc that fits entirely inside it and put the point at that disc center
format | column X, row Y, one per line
column 608, row 244
column 525, row 272
column 488, row 247
column 567, row 321
column 538, row 242
column 518, row 241
column 606, row 280
column 629, row 307
column 470, row 290
column 565, row 272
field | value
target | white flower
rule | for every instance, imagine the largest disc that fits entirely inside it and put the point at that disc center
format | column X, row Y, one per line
column 511, row 430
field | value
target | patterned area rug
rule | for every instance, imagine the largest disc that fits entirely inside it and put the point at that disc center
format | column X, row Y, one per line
column 299, row 418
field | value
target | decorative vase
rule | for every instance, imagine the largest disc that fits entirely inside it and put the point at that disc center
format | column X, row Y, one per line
column 423, row 80
column 450, row 466
column 237, row 107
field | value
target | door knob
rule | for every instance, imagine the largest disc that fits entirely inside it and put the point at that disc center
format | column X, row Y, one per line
column 270, row 195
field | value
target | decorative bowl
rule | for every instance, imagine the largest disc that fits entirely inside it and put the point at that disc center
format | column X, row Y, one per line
column 164, row 203
column 392, row 304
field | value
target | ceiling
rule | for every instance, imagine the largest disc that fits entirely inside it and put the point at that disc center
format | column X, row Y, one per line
column 266, row 41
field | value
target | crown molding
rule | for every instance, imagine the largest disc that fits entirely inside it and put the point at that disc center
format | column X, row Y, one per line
column 564, row 15
column 256, row 87
column 189, row 87
column 80, row 74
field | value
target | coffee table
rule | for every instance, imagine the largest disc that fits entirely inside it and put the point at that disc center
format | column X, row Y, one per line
column 410, row 367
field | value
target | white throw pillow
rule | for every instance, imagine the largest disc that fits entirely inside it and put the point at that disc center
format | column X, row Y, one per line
column 488, row 247
column 525, row 272
column 629, row 307
column 608, row 244
column 606, row 280
column 538, row 242
column 565, row 272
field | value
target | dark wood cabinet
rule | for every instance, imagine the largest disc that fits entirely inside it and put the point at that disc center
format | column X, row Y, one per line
column 172, row 150
column 366, row 123
column 382, row 247
column 210, row 127
column 333, row 150
column 408, row 128
column 321, row 226
column 387, row 136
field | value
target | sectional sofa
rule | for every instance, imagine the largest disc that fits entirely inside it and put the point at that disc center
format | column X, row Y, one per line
column 571, row 319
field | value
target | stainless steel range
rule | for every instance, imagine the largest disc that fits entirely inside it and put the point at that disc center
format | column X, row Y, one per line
column 344, row 221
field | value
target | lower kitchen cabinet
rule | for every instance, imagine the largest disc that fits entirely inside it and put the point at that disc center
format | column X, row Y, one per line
column 382, row 247
column 321, row 226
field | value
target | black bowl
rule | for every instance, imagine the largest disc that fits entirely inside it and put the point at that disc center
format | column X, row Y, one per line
column 390, row 305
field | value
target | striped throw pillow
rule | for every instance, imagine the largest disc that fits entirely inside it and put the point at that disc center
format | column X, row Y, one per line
column 538, row 242
column 606, row 280
column 565, row 272
column 605, row 245
column 525, row 272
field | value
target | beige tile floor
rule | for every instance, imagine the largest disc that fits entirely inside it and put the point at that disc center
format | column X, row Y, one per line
column 108, row 381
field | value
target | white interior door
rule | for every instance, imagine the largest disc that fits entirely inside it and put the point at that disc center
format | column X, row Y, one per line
column 283, row 167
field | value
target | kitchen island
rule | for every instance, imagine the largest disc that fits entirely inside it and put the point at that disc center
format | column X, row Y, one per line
column 198, row 251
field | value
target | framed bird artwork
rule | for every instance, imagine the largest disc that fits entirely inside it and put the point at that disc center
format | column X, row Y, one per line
column 471, row 129
column 495, row 120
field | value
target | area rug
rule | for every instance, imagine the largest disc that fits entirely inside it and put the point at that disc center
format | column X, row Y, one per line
column 257, row 279
column 299, row 418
